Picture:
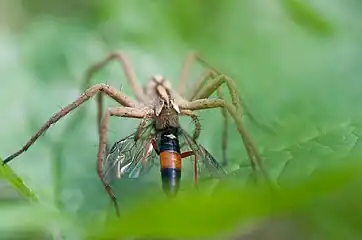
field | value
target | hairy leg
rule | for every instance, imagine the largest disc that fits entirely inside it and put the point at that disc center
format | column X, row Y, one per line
column 127, row 68
column 201, row 81
column 130, row 76
column 89, row 93
column 206, row 75
column 99, row 111
column 196, row 121
column 119, row 112
column 225, row 129
column 254, row 156
column 185, row 71
column 204, row 90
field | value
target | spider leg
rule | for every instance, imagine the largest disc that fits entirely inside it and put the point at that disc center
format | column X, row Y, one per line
column 254, row 156
column 99, row 98
column 225, row 129
column 130, row 76
column 128, row 112
column 89, row 93
column 185, row 71
column 196, row 121
column 203, row 91
column 199, row 84
column 233, row 91
column 194, row 95
column 127, row 68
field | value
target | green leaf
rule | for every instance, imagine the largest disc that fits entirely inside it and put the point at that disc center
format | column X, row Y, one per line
column 16, row 182
column 306, row 16
column 203, row 215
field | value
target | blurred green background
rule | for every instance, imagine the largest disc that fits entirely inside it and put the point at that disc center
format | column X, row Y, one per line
column 297, row 64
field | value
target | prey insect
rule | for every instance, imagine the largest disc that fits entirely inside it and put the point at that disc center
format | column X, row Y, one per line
column 133, row 159
column 158, row 136
column 161, row 104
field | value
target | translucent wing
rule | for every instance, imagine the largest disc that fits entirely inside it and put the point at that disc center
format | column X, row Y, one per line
column 205, row 161
column 127, row 157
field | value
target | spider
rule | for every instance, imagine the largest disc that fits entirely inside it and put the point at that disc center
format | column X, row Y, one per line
column 145, row 108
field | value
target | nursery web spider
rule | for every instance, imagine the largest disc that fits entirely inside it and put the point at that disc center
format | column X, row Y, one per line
column 197, row 98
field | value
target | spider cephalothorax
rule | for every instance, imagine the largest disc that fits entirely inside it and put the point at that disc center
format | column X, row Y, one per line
column 166, row 110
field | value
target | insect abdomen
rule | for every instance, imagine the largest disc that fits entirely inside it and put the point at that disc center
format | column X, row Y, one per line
column 170, row 159
column 170, row 172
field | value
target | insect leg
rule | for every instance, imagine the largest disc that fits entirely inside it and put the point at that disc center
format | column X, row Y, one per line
column 118, row 112
column 155, row 147
column 89, row 93
column 188, row 154
column 196, row 173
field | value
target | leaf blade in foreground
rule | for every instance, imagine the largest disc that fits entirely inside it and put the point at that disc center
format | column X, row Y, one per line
column 16, row 182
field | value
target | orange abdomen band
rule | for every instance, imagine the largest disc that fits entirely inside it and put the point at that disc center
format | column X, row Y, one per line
column 170, row 160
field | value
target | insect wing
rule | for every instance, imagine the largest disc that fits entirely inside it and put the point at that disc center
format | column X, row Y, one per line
column 204, row 159
column 127, row 158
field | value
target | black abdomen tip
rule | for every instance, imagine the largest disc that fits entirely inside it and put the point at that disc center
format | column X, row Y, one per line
column 170, row 181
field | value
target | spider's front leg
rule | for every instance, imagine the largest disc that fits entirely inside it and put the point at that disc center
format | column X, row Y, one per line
column 128, row 112
column 89, row 93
